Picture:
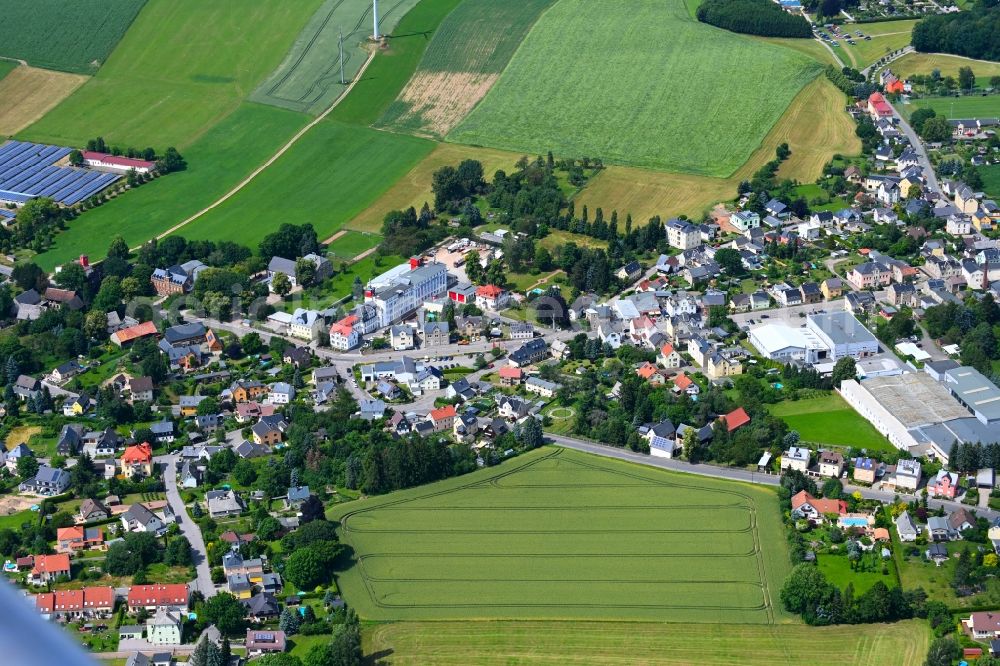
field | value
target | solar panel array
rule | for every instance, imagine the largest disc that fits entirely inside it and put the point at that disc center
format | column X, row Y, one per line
column 27, row 171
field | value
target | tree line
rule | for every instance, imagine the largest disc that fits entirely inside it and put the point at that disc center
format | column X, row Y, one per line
column 972, row 33
column 753, row 17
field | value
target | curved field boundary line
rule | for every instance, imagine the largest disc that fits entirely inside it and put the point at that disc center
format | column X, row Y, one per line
column 274, row 158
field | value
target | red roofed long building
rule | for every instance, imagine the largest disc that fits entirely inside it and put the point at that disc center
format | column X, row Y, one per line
column 878, row 107
column 152, row 597
column 88, row 602
column 116, row 162
column 129, row 335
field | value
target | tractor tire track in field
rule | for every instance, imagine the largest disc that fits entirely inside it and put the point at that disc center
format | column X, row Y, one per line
column 743, row 501
column 274, row 158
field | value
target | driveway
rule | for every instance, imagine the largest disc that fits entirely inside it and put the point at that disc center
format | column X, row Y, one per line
column 189, row 529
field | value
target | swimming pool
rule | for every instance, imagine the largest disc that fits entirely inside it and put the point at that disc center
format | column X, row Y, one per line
column 847, row 521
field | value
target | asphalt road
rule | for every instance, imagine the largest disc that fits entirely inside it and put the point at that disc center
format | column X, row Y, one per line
column 918, row 147
column 735, row 474
column 203, row 581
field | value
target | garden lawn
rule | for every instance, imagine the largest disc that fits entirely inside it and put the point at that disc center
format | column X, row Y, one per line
column 333, row 173
column 829, row 421
column 215, row 163
column 182, row 67
column 969, row 106
column 991, row 179
column 71, row 36
column 561, row 534
column 678, row 94
column 353, row 243
column 611, row 644
column 308, row 79
column 466, row 56
column 837, row 569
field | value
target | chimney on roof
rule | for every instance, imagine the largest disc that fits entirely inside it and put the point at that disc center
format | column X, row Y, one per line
column 84, row 260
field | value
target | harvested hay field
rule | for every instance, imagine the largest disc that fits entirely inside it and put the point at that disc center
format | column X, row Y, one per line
column 646, row 193
column 437, row 101
column 464, row 59
column 35, row 91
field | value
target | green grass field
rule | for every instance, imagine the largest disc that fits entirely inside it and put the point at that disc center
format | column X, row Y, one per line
column 326, row 179
column 466, row 56
column 681, row 95
column 70, row 36
column 353, row 243
column 969, row 106
column 991, row 179
column 651, row 644
column 215, row 163
column 6, row 67
column 308, row 79
column 182, row 67
column 393, row 67
column 886, row 37
column 829, row 420
column 562, row 534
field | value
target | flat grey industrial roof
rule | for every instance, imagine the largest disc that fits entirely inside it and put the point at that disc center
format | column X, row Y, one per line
column 842, row 327
column 915, row 399
column 975, row 390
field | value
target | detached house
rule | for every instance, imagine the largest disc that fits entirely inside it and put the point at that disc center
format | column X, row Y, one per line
column 48, row 482
column 140, row 519
column 805, row 505
column 49, row 567
column 137, row 461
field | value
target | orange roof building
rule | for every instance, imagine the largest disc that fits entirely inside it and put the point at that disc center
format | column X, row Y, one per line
column 132, row 333
column 138, row 460
column 88, row 601
column 683, row 382
column 735, row 419
column 442, row 413
column 140, row 453
column 803, row 498
column 156, row 596
column 48, row 567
